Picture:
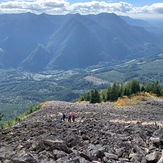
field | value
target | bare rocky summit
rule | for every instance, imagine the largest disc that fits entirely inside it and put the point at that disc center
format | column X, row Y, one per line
column 101, row 133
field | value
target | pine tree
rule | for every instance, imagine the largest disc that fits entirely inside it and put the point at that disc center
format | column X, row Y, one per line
column 135, row 87
column 127, row 89
column 157, row 88
column 153, row 88
column 87, row 97
column 148, row 87
column 142, row 88
column 108, row 93
column 95, row 96
column 114, row 92
column 121, row 90
column 104, row 95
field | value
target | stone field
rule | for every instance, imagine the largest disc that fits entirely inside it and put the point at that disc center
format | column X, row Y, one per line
column 101, row 133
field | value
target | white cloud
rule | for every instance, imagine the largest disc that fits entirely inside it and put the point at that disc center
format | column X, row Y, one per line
column 37, row 6
column 98, row 7
column 156, row 8
column 64, row 7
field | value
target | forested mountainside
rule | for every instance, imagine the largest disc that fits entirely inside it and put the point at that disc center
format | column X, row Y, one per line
column 41, row 42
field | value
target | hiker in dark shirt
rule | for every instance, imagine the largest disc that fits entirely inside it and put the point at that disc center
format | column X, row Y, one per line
column 69, row 118
column 63, row 117
column 73, row 117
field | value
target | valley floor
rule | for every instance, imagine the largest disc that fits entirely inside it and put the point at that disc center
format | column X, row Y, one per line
column 100, row 133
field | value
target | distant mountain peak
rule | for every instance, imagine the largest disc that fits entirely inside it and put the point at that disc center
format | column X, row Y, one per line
column 72, row 41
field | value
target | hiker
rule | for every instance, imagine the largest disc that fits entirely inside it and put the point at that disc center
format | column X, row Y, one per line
column 63, row 117
column 69, row 118
column 73, row 117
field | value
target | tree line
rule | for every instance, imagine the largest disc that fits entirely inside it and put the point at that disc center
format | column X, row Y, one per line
column 116, row 90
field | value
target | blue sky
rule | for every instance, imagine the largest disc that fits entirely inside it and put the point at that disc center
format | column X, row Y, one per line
column 132, row 8
column 134, row 2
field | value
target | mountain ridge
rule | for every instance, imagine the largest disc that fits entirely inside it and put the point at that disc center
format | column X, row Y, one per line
column 86, row 39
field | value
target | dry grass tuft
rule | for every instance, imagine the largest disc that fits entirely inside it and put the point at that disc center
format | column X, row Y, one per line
column 125, row 101
column 44, row 104
column 140, row 97
column 82, row 102
column 134, row 99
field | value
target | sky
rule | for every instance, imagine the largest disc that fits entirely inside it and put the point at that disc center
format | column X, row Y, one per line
column 133, row 8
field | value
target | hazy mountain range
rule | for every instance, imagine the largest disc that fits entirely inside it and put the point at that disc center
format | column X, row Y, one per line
column 40, row 42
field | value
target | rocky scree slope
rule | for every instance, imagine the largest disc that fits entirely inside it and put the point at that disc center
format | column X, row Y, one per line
column 101, row 133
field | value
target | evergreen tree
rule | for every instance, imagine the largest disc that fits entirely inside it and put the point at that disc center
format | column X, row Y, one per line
column 81, row 98
column 95, row 96
column 92, row 98
column 135, row 87
column 156, row 88
column 148, row 87
column 87, row 97
column 121, row 90
column 131, row 87
column 114, row 92
column 153, row 88
column 142, row 88
column 127, row 89
column 104, row 95
column 108, row 93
